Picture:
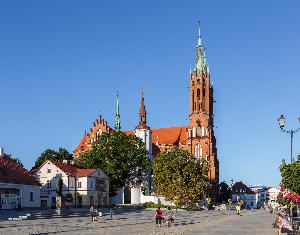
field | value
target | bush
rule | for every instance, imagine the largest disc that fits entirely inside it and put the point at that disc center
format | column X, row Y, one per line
column 153, row 205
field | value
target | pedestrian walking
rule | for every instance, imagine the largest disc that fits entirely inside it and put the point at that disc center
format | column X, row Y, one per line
column 91, row 211
column 238, row 209
column 100, row 215
column 94, row 214
column 169, row 216
column 158, row 217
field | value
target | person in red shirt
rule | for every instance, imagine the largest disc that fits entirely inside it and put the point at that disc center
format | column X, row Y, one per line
column 158, row 216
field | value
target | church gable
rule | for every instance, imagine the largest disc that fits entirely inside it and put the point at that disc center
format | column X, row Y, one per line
column 99, row 126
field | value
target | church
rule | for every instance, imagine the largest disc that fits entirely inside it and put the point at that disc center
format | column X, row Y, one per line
column 197, row 136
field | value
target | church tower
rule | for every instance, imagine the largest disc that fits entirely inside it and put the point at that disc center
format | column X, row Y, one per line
column 201, row 138
column 117, row 116
column 142, row 130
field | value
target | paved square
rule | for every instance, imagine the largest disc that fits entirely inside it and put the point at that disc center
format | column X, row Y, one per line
column 142, row 222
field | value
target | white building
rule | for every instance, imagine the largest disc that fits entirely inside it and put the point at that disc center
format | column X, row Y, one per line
column 261, row 194
column 272, row 194
column 18, row 188
column 138, row 184
column 242, row 192
column 87, row 186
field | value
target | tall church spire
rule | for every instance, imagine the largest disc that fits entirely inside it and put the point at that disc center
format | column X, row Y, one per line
column 199, row 37
column 118, row 117
column 142, row 115
column 199, row 62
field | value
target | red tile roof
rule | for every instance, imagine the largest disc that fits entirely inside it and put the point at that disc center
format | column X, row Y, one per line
column 13, row 172
column 171, row 135
column 70, row 169
column 240, row 185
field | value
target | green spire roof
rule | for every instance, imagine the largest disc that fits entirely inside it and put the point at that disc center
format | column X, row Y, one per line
column 118, row 117
column 204, row 57
column 199, row 37
column 199, row 61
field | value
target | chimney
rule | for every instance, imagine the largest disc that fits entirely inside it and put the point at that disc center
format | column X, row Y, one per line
column 1, row 152
column 65, row 161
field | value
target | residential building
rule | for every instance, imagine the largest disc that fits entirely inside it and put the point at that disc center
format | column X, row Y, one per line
column 18, row 187
column 87, row 186
column 261, row 194
column 242, row 192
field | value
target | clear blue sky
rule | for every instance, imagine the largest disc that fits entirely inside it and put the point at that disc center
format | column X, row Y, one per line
column 61, row 63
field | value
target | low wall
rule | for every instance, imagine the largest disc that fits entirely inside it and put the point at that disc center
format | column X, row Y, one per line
column 156, row 200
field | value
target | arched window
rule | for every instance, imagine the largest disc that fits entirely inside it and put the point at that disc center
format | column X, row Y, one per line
column 196, row 151
column 193, row 100
column 201, row 151
column 198, row 99
column 198, row 131
column 202, row 131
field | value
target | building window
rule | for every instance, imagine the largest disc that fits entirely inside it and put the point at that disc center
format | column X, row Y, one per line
column 48, row 184
column 79, row 185
column 31, row 196
column 201, row 151
column 193, row 101
column 189, row 133
column 48, row 170
column 91, row 184
column 196, row 151
column 72, row 184
column 198, row 131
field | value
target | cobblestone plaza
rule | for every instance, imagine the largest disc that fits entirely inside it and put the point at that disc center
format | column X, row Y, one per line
column 142, row 222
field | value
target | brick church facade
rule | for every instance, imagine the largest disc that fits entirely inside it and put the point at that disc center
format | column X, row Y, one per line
column 197, row 136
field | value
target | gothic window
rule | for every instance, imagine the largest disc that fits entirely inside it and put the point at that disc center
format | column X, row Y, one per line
column 189, row 133
column 198, row 131
column 198, row 99
column 202, row 131
column 196, row 151
column 201, row 151
column 193, row 102
column 194, row 131
column 198, row 93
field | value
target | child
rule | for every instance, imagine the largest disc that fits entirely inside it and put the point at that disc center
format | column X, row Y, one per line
column 158, row 217
column 169, row 216
column 94, row 214
column 100, row 215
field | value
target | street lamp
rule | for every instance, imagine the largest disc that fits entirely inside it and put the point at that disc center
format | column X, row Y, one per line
column 281, row 122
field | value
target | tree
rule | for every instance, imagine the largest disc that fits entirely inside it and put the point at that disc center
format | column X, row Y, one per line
column 224, row 192
column 16, row 159
column 50, row 154
column 290, row 174
column 118, row 155
column 177, row 174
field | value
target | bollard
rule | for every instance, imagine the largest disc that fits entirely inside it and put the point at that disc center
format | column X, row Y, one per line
column 111, row 213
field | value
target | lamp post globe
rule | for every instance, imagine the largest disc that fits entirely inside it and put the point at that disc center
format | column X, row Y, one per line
column 281, row 121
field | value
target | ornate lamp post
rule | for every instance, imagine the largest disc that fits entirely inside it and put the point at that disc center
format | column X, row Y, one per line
column 281, row 122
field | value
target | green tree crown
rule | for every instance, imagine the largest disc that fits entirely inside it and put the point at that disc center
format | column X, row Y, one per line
column 118, row 155
column 177, row 174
